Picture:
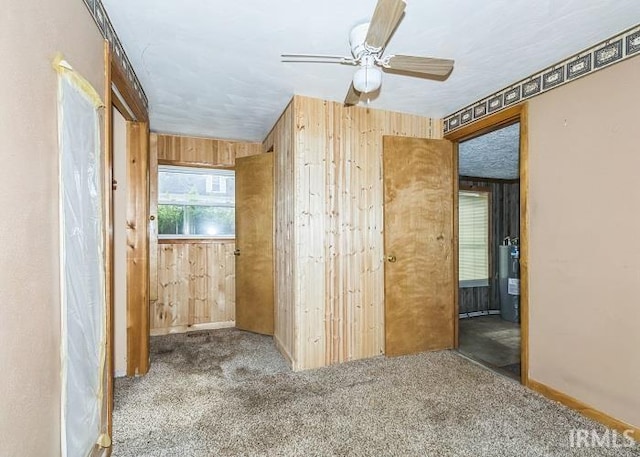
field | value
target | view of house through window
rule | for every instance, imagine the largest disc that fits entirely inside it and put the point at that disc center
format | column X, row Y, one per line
column 473, row 223
column 196, row 202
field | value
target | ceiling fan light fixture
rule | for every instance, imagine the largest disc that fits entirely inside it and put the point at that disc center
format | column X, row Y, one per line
column 367, row 79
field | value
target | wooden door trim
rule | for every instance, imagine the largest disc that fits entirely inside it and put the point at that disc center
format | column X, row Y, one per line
column 129, row 94
column 487, row 124
column 186, row 163
column 137, row 248
column 108, row 248
column 517, row 113
column 130, row 105
column 454, row 250
column 114, row 76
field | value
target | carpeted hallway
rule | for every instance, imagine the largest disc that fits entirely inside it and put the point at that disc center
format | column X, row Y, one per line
column 228, row 393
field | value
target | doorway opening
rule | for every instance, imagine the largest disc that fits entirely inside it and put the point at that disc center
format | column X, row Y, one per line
column 489, row 311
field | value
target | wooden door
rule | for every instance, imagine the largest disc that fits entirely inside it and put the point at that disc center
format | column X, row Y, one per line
column 254, row 243
column 419, row 244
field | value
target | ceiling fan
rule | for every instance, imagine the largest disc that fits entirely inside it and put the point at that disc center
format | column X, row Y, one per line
column 367, row 43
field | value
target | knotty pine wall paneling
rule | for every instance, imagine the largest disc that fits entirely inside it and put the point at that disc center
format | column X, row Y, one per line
column 337, row 266
column 281, row 142
column 196, row 280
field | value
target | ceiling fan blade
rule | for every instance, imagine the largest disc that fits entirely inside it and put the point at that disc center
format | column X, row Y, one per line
column 312, row 56
column 425, row 65
column 353, row 96
column 385, row 19
column 345, row 62
column 317, row 58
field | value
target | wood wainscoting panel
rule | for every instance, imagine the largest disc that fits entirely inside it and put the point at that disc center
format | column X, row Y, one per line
column 196, row 285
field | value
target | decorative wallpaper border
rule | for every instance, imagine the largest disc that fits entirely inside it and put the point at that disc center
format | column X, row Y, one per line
column 100, row 16
column 613, row 50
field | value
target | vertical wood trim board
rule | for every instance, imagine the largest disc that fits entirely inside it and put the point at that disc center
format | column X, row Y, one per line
column 456, row 246
column 332, row 283
column 153, row 219
column 524, row 243
column 137, row 249
column 107, row 412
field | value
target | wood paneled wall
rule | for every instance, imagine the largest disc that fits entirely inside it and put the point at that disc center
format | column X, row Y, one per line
column 208, row 152
column 196, row 285
column 334, row 223
column 505, row 221
column 281, row 141
column 196, row 281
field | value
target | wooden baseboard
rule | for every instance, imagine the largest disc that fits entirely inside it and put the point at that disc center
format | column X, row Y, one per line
column 192, row 328
column 283, row 351
column 584, row 409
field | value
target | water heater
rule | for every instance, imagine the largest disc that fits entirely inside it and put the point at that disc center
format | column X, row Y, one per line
column 509, row 282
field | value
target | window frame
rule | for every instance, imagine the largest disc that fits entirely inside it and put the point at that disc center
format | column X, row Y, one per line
column 172, row 238
column 469, row 283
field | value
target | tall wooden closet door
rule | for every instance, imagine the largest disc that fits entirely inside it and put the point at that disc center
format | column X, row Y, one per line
column 418, row 238
column 254, row 243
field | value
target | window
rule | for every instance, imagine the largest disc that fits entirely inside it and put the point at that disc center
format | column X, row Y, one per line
column 196, row 202
column 473, row 226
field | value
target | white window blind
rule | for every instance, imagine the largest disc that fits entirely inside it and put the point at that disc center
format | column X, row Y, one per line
column 473, row 226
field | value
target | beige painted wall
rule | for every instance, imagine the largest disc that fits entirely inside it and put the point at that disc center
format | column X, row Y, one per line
column 31, row 32
column 584, row 247
column 120, row 244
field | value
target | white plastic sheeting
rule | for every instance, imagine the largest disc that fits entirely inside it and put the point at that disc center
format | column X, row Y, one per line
column 82, row 262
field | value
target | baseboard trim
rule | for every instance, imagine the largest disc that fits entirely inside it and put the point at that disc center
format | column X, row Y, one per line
column 490, row 312
column 283, row 351
column 584, row 409
column 192, row 328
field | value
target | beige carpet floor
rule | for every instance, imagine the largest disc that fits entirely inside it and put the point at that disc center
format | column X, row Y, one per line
column 230, row 393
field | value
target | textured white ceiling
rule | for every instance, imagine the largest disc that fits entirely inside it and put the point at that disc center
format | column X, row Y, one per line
column 213, row 68
column 493, row 155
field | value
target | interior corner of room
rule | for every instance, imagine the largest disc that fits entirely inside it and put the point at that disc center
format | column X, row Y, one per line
column 271, row 265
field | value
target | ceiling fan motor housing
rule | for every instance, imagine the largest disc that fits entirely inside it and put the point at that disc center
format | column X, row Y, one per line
column 368, row 78
column 357, row 39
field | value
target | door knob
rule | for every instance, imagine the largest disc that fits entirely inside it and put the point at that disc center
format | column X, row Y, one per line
column 236, row 252
column 391, row 259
